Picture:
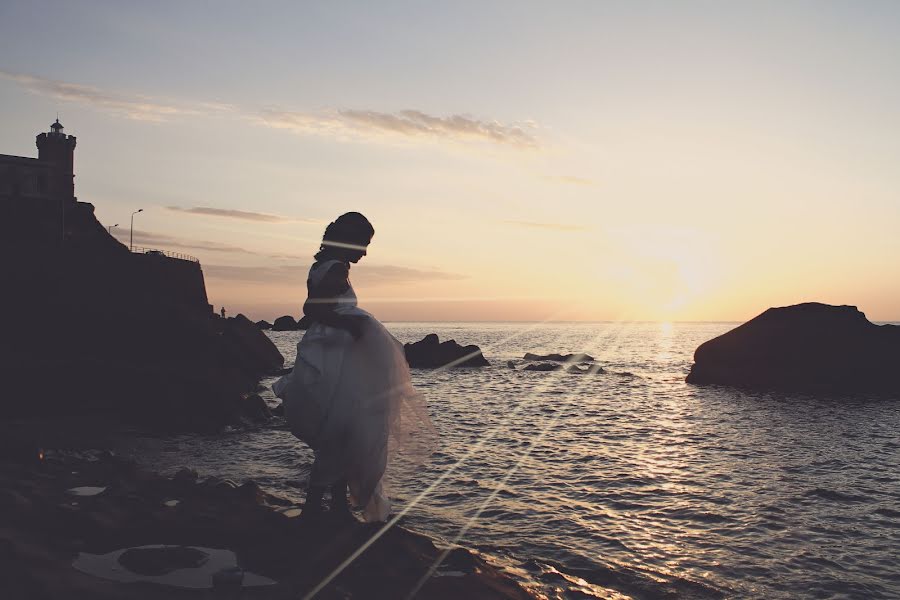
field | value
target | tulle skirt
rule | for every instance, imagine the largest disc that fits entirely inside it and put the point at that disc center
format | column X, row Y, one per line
column 353, row 402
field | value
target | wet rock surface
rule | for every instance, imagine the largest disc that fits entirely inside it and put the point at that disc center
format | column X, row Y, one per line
column 43, row 531
column 553, row 366
column 573, row 358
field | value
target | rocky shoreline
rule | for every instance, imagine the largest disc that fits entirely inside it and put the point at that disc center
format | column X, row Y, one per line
column 59, row 508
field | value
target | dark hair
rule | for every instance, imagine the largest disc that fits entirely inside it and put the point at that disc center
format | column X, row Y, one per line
column 349, row 228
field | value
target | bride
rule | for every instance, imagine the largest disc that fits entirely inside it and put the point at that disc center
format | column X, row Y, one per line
column 349, row 395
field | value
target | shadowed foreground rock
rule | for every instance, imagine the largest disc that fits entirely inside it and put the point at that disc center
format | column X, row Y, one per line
column 44, row 529
column 256, row 347
column 806, row 347
column 430, row 353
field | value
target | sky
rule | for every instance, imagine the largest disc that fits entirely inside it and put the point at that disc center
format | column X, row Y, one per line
column 520, row 161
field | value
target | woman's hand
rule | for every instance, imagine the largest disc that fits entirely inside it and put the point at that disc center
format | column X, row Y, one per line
column 356, row 325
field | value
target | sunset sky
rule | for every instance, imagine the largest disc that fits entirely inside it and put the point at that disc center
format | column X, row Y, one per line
column 519, row 160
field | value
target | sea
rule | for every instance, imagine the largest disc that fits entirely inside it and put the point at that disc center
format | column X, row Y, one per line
column 630, row 483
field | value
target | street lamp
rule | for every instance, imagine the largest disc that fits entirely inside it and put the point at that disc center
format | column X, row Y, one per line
column 110, row 228
column 131, row 234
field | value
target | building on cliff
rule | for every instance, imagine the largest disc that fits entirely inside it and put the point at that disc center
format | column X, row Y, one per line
column 39, row 193
column 49, row 178
column 44, row 228
column 88, row 327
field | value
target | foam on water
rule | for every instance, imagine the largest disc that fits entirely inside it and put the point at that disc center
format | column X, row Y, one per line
column 630, row 483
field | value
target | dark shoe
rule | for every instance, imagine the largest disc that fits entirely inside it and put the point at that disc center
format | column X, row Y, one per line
column 340, row 507
column 312, row 507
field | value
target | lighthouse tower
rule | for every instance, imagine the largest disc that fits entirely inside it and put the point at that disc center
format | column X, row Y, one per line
column 58, row 149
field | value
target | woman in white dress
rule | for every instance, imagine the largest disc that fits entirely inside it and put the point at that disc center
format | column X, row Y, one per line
column 349, row 395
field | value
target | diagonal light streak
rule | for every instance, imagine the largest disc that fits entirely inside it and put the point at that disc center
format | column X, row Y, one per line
column 502, row 483
column 412, row 504
column 473, row 451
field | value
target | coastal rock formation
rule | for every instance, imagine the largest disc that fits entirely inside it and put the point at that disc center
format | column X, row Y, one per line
column 579, row 357
column 431, row 353
column 264, row 325
column 806, row 347
column 91, row 328
column 285, row 323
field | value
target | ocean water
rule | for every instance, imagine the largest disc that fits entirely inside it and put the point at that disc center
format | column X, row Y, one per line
column 628, row 484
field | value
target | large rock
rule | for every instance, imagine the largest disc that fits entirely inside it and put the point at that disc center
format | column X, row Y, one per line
column 430, row 353
column 256, row 349
column 254, row 408
column 285, row 323
column 264, row 325
column 807, row 347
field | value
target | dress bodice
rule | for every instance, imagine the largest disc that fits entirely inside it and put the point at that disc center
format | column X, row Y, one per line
column 346, row 301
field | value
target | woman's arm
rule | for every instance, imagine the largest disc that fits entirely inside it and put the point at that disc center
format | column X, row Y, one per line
column 321, row 301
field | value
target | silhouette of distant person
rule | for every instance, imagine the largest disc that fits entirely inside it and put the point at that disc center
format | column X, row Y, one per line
column 223, row 312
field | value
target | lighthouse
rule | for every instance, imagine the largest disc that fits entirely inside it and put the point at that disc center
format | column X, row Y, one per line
column 57, row 150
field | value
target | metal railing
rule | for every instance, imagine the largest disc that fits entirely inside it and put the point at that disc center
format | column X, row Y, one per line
column 166, row 253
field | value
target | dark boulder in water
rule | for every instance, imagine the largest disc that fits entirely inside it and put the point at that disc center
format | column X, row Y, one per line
column 430, row 353
column 543, row 367
column 254, row 408
column 304, row 323
column 264, row 325
column 555, row 366
column 806, row 347
column 578, row 357
column 285, row 323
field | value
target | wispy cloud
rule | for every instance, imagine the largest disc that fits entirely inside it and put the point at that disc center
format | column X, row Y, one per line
column 369, row 275
column 238, row 214
column 410, row 124
column 132, row 106
column 340, row 124
column 540, row 225
column 570, row 179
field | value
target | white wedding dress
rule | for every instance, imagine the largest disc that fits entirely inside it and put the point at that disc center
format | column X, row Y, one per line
column 353, row 402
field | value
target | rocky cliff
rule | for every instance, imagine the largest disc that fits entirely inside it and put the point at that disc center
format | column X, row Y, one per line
column 88, row 326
